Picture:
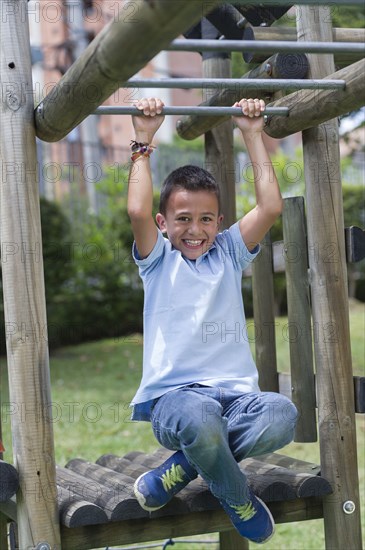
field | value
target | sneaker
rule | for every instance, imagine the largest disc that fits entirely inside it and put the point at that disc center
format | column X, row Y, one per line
column 253, row 520
column 156, row 488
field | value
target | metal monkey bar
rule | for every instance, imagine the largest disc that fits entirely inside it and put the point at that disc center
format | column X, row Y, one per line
column 270, row 84
column 265, row 46
column 200, row 111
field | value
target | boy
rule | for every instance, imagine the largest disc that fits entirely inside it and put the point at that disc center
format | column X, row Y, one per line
column 199, row 386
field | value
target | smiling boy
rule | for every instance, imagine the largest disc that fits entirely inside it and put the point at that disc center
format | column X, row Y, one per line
column 199, row 386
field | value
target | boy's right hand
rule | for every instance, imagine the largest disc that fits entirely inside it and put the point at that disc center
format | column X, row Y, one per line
column 146, row 126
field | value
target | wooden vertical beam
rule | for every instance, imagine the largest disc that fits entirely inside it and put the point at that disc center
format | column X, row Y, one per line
column 23, row 288
column 327, row 264
column 299, row 318
column 264, row 316
column 232, row 540
column 219, row 157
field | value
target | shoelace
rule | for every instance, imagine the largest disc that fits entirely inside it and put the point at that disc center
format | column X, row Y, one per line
column 172, row 476
column 245, row 511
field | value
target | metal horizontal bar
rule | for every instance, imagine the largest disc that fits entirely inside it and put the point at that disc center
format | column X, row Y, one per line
column 265, row 46
column 235, row 83
column 202, row 111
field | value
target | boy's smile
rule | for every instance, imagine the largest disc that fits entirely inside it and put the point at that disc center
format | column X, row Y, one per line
column 191, row 222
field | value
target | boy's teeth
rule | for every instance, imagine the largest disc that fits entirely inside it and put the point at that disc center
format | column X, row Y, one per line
column 193, row 243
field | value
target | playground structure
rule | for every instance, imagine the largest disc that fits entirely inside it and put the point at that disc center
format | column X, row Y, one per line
column 109, row 62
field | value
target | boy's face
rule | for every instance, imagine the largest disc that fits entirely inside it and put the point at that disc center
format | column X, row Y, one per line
column 191, row 222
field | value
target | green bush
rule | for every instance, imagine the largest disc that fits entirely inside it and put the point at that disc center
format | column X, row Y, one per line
column 56, row 243
column 56, row 237
column 103, row 297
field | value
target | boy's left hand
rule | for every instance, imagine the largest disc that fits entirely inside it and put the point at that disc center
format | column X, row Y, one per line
column 252, row 108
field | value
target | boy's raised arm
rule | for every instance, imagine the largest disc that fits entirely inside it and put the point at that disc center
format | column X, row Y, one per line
column 140, row 191
column 255, row 224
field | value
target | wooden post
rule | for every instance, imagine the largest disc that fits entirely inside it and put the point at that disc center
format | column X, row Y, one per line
column 23, row 288
column 299, row 318
column 327, row 263
column 264, row 316
column 277, row 66
column 219, row 157
column 120, row 50
column 232, row 540
column 329, row 103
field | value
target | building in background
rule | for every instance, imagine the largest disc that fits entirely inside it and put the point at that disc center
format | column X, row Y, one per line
column 59, row 31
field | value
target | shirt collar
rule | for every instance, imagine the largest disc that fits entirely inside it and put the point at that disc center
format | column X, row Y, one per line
column 200, row 258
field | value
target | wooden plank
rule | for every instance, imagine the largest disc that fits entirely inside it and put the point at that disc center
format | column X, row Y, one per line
column 144, row 530
column 308, row 108
column 75, row 512
column 150, row 460
column 303, row 392
column 272, row 482
column 132, row 455
column 120, row 464
column 276, row 66
column 161, row 454
column 269, row 476
column 98, row 473
column 23, row 289
column 290, row 463
column 263, row 308
column 195, row 497
column 116, row 54
column 327, row 261
column 118, row 502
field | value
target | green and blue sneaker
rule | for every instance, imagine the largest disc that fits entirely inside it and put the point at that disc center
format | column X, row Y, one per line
column 253, row 520
column 156, row 488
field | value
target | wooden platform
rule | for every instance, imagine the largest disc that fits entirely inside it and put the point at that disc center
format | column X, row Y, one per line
column 96, row 499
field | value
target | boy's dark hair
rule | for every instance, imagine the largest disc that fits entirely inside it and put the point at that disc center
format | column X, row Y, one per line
column 191, row 178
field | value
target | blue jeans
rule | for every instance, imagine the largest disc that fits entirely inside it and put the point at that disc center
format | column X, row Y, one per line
column 216, row 428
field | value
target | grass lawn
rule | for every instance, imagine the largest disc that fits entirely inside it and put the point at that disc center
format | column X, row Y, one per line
column 92, row 385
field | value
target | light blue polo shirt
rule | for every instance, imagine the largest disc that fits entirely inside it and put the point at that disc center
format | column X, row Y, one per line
column 194, row 320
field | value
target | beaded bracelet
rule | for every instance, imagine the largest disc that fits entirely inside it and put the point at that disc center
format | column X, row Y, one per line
column 141, row 150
